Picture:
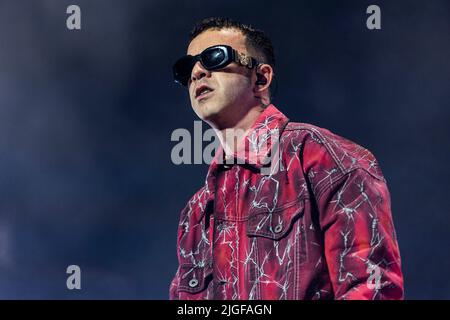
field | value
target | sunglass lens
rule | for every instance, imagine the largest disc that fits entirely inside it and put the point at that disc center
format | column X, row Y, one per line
column 182, row 69
column 213, row 58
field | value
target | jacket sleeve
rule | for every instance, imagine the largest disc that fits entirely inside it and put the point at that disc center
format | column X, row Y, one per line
column 174, row 284
column 173, row 290
column 360, row 242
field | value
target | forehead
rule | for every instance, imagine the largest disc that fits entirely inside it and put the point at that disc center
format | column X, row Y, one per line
column 208, row 38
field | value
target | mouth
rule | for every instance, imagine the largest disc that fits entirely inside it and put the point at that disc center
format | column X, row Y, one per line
column 202, row 91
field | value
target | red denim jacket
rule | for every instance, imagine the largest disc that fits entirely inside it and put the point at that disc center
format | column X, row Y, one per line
column 317, row 227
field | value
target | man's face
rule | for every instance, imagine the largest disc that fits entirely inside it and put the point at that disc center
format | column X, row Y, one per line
column 232, row 86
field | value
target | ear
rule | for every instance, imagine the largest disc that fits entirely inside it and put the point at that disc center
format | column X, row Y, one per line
column 263, row 79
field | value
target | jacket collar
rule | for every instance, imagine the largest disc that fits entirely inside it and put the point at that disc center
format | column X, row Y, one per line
column 258, row 142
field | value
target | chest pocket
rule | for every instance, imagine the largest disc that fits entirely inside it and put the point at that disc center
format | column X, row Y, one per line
column 277, row 224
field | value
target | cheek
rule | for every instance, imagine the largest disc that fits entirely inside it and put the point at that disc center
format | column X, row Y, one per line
column 236, row 86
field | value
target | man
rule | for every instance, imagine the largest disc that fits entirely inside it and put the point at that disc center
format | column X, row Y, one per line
column 313, row 222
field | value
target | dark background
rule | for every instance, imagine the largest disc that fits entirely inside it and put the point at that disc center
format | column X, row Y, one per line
column 86, row 116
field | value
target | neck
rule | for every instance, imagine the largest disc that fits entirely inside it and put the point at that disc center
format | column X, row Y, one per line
column 232, row 137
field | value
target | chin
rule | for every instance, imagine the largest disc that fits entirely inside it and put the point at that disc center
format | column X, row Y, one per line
column 207, row 111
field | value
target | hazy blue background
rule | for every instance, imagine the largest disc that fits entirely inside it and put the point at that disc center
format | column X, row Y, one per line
column 86, row 118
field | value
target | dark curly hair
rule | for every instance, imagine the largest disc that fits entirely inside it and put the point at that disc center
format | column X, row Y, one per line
column 256, row 39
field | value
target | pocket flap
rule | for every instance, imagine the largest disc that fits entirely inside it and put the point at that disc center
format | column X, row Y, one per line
column 277, row 224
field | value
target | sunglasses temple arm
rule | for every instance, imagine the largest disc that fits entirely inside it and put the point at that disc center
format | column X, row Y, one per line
column 244, row 60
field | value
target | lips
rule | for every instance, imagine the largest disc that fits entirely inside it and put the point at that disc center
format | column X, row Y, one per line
column 202, row 90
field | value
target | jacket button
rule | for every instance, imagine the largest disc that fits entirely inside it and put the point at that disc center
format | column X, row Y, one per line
column 278, row 228
column 193, row 283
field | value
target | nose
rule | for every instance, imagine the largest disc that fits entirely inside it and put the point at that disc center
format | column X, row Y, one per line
column 199, row 72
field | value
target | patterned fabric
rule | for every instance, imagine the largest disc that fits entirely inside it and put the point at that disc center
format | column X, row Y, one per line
column 316, row 225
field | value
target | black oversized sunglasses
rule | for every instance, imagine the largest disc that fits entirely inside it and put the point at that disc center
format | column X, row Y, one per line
column 212, row 58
